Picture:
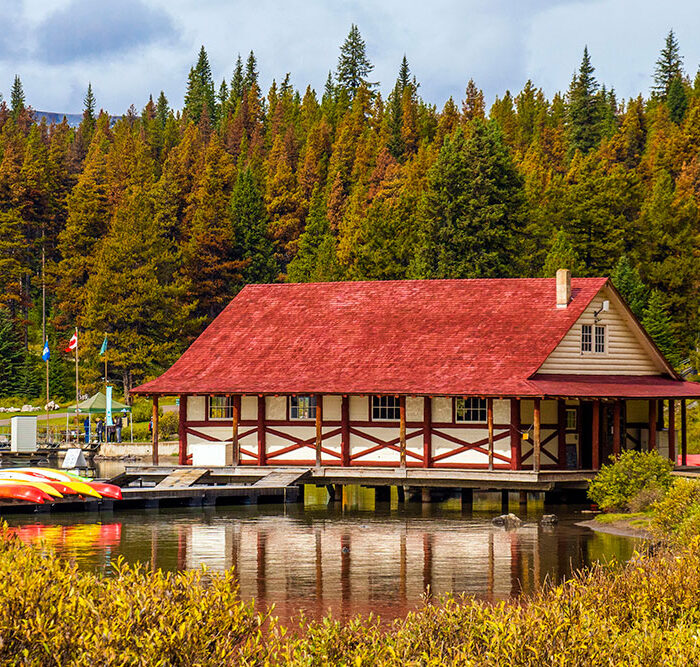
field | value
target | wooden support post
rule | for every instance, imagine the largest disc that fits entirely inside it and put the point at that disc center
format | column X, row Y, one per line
column 345, row 431
column 516, row 439
column 467, row 499
column 617, row 434
column 402, row 431
column 672, row 430
column 262, row 457
column 236, row 446
column 154, row 434
column 652, row 425
column 561, row 434
column 595, row 435
column 536, row 450
column 489, row 424
column 319, row 428
column 522, row 499
column 684, row 435
column 182, row 431
column 427, row 432
column 504, row 502
column 425, row 495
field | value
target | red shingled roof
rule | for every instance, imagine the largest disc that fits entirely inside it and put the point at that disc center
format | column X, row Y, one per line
column 421, row 337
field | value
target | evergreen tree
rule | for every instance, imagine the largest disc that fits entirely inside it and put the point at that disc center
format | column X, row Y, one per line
column 404, row 78
column 253, row 248
column 89, row 105
column 200, row 89
column 669, row 66
column 562, row 255
column 676, row 100
column 237, row 83
column 315, row 260
column 353, row 64
column 473, row 106
column 17, row 98
column 472, row 210
column 657, row 323
column 628, row 283
column 583, row 118
column 11, row 356
column 162, row 109
column 250, row 78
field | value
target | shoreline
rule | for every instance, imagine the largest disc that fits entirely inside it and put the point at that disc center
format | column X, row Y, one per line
column 619, row 528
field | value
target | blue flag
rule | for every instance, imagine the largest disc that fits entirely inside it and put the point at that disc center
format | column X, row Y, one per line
column 46, row 354
column 103, row 349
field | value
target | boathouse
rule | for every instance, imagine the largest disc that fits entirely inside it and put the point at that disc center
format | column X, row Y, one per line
column 519, row 374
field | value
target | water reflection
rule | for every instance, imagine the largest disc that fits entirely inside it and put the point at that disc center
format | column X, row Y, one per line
column 317, row 558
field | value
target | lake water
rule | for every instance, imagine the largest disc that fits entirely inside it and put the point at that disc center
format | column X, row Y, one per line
column 348, row 557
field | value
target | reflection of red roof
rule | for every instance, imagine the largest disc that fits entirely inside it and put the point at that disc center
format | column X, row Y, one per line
column 430, row 337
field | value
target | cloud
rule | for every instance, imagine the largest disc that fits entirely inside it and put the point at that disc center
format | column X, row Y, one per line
column 87, row 30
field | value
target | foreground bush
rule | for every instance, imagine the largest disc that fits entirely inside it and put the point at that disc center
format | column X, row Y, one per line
column 632, row 473
column 645, row 613
column 676, row 515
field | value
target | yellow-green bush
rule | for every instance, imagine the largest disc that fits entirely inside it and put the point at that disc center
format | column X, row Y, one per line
column 682, row 500
column 644, row 613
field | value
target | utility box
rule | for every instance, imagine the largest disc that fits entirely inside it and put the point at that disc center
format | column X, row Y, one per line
column 23, row 434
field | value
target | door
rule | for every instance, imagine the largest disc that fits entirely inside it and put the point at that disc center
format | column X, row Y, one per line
column 585, row 427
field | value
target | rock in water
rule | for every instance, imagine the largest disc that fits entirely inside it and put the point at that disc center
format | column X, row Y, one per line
column 508, row 521
column 549, row 519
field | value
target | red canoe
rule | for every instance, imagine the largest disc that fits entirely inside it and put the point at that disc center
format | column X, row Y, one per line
column 107, row 490
column 22, row 492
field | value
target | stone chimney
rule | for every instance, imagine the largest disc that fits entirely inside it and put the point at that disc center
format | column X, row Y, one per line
column 563, row 288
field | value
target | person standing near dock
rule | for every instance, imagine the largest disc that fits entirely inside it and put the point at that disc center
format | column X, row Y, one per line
column 100, row 429
column 118, row 423
column 86, row 426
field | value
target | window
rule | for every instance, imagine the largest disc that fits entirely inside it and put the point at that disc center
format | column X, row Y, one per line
column 386, row 408
column 470, row 409
column 593, row 338
column 302, row 407
column 600, row 339
column 571, row 419
column 586, row 336
column 220, row 407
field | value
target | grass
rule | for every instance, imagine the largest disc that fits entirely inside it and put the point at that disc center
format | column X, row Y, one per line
column 613, row 517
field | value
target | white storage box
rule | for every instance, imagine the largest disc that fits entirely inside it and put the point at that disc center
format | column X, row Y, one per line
column 23, row 434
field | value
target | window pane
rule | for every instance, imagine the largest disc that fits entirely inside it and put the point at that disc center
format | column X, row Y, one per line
column 571, row 420
column 600, row 339
column 220, row 407
column 386, row 408
column 302, row 407
column 586, row 335
column 470, row 410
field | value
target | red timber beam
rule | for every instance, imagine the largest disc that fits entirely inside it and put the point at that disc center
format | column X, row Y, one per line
column 536, row 448
column 561, row 434
column 684, row 435
column 428, row 432
column 182, row 431
column 154, row 433
column 345, row 431
column 672, row 430
column 235, row 445
column 262, row 457
column 617, row 412
column 652, row 424
column 489, row 424
column 402, row 431
column 319, row 428
column 595, row 435
column 515, row 436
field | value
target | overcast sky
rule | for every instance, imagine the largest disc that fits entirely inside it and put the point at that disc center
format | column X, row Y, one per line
column 131, row 48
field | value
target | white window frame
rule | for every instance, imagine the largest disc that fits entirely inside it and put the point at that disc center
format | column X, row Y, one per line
column 470, row 410
column 586, row 338
column 225, row 404
column 571, row 424
column 381, row 407
column 302, row 407
column 599, row 329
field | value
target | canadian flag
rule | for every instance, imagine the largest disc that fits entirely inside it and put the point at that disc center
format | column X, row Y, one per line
column 73, row 342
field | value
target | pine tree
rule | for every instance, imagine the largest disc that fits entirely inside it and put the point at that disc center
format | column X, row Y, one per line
column 237, row 83
column 11, row 355
column 562, row 255
column 162, row 109
column 13, row 262
column 253, row 249
column 89, row 106
column 472, row 210
column 316, row 259
column 17, row 98
column 473, row 106
column 404, row 78
column 628, row 283
column 676, row 100
column 250, row 78
column 669, row 66
column 657, row 323
column 353, row 64
column 200, row 89
column 583, row 117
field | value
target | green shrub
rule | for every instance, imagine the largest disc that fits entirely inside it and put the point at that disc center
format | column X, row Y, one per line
column 618, row 482
column 168, row 424
column 142, row 410
column 645, row 499
column 682, row 500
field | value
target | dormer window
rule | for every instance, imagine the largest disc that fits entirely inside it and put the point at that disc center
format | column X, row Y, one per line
column 593, row 338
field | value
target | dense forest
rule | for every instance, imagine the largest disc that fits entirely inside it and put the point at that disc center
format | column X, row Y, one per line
column 143, row 229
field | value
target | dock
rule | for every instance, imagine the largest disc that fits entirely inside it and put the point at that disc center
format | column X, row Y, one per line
column 150, row 486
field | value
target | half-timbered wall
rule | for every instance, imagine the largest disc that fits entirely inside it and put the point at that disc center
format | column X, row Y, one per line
column 626, row 350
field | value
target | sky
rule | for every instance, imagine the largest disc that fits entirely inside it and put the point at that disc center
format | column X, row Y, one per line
column 129, row 49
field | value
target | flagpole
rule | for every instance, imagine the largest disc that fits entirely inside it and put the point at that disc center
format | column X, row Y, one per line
column 77, row 409
column 47, row 401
